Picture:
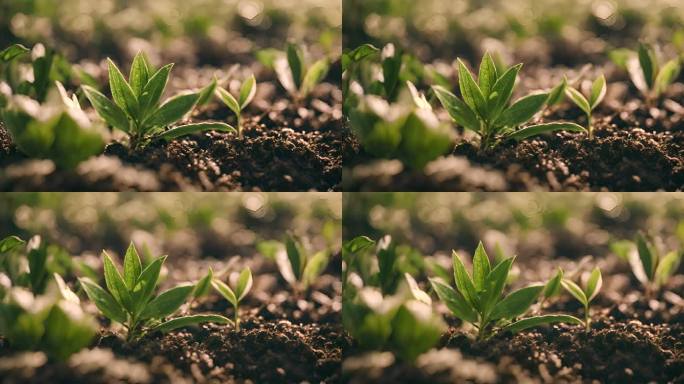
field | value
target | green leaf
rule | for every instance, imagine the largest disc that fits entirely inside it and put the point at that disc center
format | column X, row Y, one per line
column 391, row 69
column 202, row 286
column 247, row 92
column 454, row 301
column 314, row 75
column 207, row 92
column 495, row 283
column 10, row 243
column 140, row 74
column 415, row 290
column 540, row 320
column 229, row 100
column 503, row 89
column 296, row 63
column 487, row 76
column 144, row 288
column 358, row 244
column 152, row 92
column 557, row 93
column 189, row 129
column 593, row 284
column 522, row 110
column 115, row 283
column 575, row 291
column 13, row 51
column 172, row 110
column 666, row 267
column 132, row 266
column 481, row 267
column 110, row 112
column 598, row 91
column 167, row 302
column 314, row 267
column 361, row 52
column 578, row 99
column 471, row 91
column 418, row 98
column 648, row 64
column 121, row 91
column 463, row 281
column 667, row 75
column 225, row 291
column 244, row 284
column 459, row 111
column 103, row 300
column 539, row 129
column 553, row 286
column 37, row 260
column 180, row 322
column 296, row 257
column 516, row 303
column 648, row 259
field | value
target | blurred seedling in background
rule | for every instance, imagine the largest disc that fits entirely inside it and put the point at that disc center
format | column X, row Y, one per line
column 598, row 92
column 591, row 285
column 485, row 110
column 297, row 265
column 237, row 105
column 136, row 109
column 479, row 299
column 651, row 77
column 130, row 298
column 238, row 287
column 296, row 73
column 652, row 268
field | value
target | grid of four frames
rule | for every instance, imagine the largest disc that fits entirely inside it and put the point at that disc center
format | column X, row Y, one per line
column 326, row 191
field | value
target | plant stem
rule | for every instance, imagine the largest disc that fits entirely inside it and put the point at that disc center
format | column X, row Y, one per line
column 591, row 126
column 239, row 125
column 587, row 319
column 237, row 319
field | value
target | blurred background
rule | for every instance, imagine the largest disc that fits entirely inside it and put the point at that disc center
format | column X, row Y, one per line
column 182, row 225
column 548, row 31
column 186, row 31
column 534, row 226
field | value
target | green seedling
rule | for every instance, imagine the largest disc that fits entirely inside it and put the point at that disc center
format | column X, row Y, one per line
column 399, row 323
column 485, row 107
column 598, row 92
column 648, row 74
column 479, row 299
column 130, row 298
column 296, row 76
column 351, row 61
column 241, row 286
column 247, row 92
column 58, row 129
column 14, row 73
column 301, row 268
column 136, row 109
column 52, row 322
column 652, row 269
column 413, row 135
column 586, row 293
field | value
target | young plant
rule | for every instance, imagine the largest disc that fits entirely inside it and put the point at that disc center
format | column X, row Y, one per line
column 241, row 286
column 14, row 73
column 300, row 268
column 485, row 107
column 247, row 92
column 52, row 322
column 598, row 92
column 296, row 76
column 653, row 270
column 130, row 298
column 648, row 74
column 479, row 299
column 136, row 109
column 586, row 293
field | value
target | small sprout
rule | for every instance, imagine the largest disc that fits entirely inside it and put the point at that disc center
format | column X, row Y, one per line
column 136, row 109
column 647, row 74
column 52, row 322
column 130, row 298
column 485, row 107
column 585, row 295
column 27, row 264
column 653, row 270
column 247, row 92
column 298, row 78
column 237, row 293
column 598, row 92
column 479, row 299
column 300, row 268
